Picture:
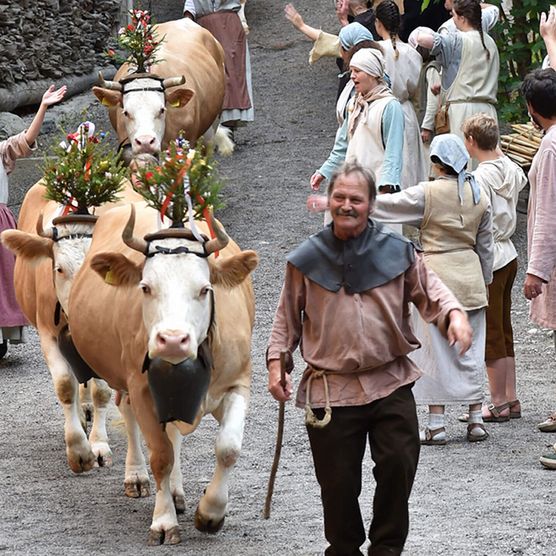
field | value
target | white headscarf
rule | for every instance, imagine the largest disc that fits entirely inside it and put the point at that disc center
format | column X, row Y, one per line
column 370, row 61
column 3, row 184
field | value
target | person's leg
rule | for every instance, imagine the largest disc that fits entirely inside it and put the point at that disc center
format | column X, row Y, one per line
column 435, row 432
column 394, row 442
column 338, row 451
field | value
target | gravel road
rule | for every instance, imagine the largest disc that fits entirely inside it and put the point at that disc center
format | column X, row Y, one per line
column 490, row 498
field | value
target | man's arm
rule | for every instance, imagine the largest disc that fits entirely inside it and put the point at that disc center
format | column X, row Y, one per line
column 542, row 253
column 286, row 331
column 405, row 207
column 437, row 304
column 547, row 30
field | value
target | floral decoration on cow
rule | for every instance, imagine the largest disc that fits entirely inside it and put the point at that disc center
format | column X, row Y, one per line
column 83, row 171
column 140, row 41
column 183, row 186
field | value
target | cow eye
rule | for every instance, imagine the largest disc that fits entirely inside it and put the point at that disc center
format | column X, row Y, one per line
column 204, row 291
column 59, row 270
column 145, row 289
column 162, row 110
column 126, row 113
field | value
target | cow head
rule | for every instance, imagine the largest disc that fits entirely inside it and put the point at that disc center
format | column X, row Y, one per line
column 66, row 243
column 142, row 101
column 176, row 280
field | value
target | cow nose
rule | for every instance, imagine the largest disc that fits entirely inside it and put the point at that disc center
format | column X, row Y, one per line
column 168, row 341
column 145, row 143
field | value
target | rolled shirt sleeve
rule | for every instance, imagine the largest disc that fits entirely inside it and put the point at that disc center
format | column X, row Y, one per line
column 392, row 138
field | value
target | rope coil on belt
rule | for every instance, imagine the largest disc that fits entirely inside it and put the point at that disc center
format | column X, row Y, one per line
column 310, row 418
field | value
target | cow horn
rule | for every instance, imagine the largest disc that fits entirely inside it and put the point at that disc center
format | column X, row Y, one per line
column 40, row 230
column 114, row 85
column 128, row 238
column 173, row 81
column 221, row 239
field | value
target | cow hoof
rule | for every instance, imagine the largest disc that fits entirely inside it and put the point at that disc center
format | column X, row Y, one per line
column 156, row 538
column 82, row 465
column 179, row 503
column 105, row 460
column 172, row 536
column 137, row 488
column 207, row 525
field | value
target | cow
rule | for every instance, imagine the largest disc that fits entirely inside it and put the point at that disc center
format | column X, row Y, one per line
column 148, row 110
column 47, row 258
column 162, row 299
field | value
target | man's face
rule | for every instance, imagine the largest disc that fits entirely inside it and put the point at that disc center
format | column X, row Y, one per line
column 534, row 120
column 349, row 206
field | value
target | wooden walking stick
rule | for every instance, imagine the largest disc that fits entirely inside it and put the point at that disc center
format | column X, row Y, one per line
column 279, row 436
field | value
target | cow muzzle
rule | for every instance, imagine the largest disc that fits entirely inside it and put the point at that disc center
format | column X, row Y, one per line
column 145, row 144
column 173, row 346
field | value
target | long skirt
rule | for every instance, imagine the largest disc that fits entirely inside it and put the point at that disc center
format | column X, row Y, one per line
column 11, row 318
column 447, row 376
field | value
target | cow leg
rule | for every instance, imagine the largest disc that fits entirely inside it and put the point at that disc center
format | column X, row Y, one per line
column 212, row 506
column 78, row 450
column 164, row 527
column 176, row 477
column 136, row 482
column 98, row 436
column 86, row 399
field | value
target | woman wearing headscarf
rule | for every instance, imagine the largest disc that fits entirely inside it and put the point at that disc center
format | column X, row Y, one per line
column 403, row 66
column 455, row 224
column 373, row 132
column 470, row 65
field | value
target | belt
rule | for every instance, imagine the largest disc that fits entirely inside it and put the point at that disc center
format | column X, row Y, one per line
column 310, row 418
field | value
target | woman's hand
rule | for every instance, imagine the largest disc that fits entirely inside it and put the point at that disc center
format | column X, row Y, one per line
column 316, row 180
column 293, row 16
column 52, row 96
column 426, row 135
column 459, row 330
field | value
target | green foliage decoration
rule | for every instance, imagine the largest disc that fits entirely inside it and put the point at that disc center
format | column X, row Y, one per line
column 83, row 171
column 185, row 175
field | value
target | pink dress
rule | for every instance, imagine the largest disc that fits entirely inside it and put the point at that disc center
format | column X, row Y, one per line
column 11, row 318
column 541, row 230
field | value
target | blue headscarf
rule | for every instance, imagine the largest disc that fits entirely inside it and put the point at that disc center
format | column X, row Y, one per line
column 450, row 150
column 354, row 33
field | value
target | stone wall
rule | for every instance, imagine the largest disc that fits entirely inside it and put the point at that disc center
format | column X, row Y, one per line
column 53, row 40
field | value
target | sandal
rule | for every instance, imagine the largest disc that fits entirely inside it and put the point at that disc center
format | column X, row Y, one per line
column 517, row 413
column 476, row 437
column 495, row 411
column 433, row 437
column 549, row 424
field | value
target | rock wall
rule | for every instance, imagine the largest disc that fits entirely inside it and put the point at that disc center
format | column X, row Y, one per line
column 53, row 40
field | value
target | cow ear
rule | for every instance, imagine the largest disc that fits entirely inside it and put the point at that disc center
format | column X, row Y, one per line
column 30, row 247
column 108, row 97
column 179, row 97
column 116, row 269
column 232, row 271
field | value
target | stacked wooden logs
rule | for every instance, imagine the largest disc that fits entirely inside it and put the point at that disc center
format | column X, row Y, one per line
column 522, row 145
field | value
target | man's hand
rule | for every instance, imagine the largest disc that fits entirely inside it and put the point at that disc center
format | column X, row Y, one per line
column 459, row 330
column 532, row 286
column 547, row 27
column 279, row 393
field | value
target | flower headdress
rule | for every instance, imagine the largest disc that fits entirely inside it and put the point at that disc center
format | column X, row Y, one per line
column 139, row 40
column 84, row 172
column 182, row 186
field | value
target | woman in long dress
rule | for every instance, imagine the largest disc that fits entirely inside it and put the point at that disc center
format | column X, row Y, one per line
column 455, row 225
column 12, row 319
column 470, row 65
column 403, row 66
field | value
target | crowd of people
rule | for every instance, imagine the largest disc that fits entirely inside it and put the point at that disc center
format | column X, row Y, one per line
column 418, row 146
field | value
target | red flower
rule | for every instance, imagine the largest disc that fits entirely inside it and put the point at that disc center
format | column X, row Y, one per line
column 130, row 27
column 149, row 176
column 110, row 52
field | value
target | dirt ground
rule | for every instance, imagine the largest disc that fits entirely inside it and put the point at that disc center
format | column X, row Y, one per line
column 492, row 498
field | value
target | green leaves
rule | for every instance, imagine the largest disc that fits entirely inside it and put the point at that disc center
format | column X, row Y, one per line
column 83, row 171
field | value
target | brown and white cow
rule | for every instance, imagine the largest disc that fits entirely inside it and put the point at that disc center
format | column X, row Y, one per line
column 162, row 305
column 148, row 111
column 44, row 270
